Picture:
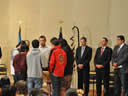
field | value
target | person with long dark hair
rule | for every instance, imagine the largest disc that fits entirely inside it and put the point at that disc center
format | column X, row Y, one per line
column 5, row 84
column 66, row 81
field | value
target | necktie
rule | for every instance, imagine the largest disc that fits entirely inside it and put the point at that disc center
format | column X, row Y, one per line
column 102, row 50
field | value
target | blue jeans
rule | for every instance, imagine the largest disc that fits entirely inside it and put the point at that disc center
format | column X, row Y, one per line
column 34, row 83
column 56, row 84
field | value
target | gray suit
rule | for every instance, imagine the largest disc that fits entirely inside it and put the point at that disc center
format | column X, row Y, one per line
column 121, row 75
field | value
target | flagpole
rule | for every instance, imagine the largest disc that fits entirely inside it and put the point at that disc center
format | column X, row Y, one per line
column 19, row 36
column 60, row 35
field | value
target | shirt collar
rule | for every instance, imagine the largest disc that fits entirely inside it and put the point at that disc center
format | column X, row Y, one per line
column 44, row 46
column 121, row 45
column 83, row 47
column 104, row 47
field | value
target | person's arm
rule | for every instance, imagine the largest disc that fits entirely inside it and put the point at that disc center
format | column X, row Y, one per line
column 14, row 62
column 65, row 59
column 88, row 59
column 15, row 52
column 52, row 62
column 124, row 59
column 114, row 56
column 95, row 58
column 108, row 57
column 80, row 66
column 42, row 60
column 77, row 56
column 28, row 59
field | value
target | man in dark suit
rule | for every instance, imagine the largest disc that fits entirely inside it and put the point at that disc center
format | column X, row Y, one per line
column 102, row 64
column 83, row 58
column 120, row 64
column 0, row 53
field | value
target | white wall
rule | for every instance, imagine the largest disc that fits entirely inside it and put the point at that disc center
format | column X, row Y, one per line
column 95, row 18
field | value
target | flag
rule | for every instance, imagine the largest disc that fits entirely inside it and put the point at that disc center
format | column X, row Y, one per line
column 60, row 35
column 19, row 37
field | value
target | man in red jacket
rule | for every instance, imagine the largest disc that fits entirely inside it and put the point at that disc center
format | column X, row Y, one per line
column 57, row 63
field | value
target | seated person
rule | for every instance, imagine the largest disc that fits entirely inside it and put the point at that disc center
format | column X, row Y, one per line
column 71, row 92
column 21, row 88
column 38, row 92
column 5, row 84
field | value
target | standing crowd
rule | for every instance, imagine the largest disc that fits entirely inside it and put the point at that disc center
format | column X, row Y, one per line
column 29, row 64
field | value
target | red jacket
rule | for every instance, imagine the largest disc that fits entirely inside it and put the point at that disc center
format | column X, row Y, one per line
column 58, row 61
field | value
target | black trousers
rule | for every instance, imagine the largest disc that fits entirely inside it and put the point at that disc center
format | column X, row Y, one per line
column 102, row 75
column 121, row 81
column 83, row 78
column 20, row 76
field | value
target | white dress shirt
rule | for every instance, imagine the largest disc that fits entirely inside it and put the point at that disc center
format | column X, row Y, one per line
column 45, row 51
column 82, row 50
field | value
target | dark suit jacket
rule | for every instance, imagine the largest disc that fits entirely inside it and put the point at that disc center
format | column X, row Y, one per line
column 121, row 58
column 104, row 59
column 0, row 53
column 85, row 59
